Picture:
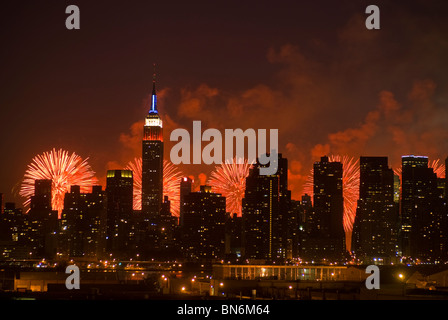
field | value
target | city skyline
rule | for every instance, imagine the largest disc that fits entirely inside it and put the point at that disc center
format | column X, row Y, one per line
column 391, row 86
column 138, row 140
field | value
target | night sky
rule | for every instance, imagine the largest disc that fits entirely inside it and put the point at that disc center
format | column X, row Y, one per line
column 308, row 68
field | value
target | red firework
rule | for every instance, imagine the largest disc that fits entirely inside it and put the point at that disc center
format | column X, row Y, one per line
column 171, row 182
column 350, row 187
column 229, row 179
column 63, row 170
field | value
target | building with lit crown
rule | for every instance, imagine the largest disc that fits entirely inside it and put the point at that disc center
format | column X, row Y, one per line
column 152, row 162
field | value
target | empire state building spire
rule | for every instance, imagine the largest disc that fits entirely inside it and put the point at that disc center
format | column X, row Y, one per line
column 153, row 122
column 154, row 95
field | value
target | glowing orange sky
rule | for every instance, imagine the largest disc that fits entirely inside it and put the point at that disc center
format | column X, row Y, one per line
column 329, row 85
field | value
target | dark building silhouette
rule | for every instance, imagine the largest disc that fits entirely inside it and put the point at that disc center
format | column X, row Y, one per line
column 266, row 214
column 83, row 223
column 305, row 220
column 185, row 189
column 16, row 234
column 203, row 232
column 374, row 236
column 423, row 212
column 167, row 228
column 41, row 201
column 152, row 163
column 119, row 193
column 43, row 220
column 233, row 242
column 326, row 236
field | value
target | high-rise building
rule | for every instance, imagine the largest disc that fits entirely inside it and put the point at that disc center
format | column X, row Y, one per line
column 266, row 213
column 305, row 215
column 152, row 162
column 83, row 223
column 203, row 232
column 423, row 212
column 119, row 193
column 16, row 241
column 43, row 220
column 397, row 188
column 326, row 239
column 374, row 237
column 185, row 189
column 233, row 241
column 41, row 201
column 167, row 228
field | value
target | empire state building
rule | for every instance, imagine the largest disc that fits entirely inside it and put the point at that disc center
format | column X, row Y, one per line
column 152, row 161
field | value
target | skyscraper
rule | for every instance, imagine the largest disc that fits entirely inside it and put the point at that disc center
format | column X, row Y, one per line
column 423, row 212
column 167, row 227
column 83, row 223
column 43, row 219
column 375, row 227
column 203, row 232
column 185, row 189
column 119, row 193
column 152, row 162
column 16, row 237
column 327, row 240
column 266, row 212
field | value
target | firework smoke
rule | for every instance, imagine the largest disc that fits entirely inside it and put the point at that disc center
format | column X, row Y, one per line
column 229, row 179
column 63, row 170
column 171, row 181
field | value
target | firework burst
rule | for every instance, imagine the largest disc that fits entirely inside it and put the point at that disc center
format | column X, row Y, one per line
column 64, row 170
column 350, row 187
column 229, row 179
column 171, row 181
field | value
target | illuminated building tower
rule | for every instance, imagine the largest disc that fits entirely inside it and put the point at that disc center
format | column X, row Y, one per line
column 397, row 187
column 375, row 227
column 203, row 233
column 423, row 212
column 119, row 193
column 152, row 162
column 185, row 188
column 327, row 240
column 83, row 223
column 266, row 214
